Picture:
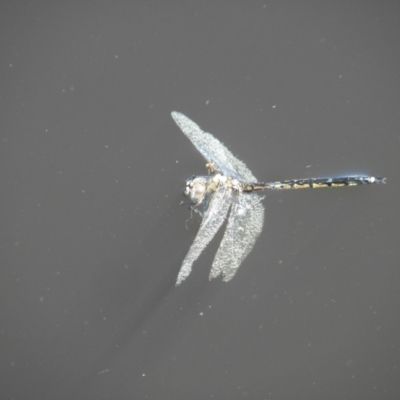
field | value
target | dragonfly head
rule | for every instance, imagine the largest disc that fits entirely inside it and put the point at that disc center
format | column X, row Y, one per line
column 196, row 188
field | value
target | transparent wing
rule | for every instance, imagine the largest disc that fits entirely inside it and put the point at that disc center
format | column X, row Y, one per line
column 215, row 215
column 213, row 150
column 244, row 226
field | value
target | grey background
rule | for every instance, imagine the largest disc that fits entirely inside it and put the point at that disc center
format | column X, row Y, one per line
column 92, row 169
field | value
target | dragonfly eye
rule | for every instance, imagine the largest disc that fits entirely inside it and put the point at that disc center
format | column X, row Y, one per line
column 198, row 190
column 189, row 186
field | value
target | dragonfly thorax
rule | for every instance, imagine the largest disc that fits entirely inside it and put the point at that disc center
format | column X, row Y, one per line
column 198, row 187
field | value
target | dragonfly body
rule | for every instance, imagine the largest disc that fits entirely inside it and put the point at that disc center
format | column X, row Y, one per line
column 232, row 188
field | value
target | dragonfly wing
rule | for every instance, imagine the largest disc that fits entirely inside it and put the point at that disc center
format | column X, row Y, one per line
column 213, row 150
column 244, row 226
column 213, row 218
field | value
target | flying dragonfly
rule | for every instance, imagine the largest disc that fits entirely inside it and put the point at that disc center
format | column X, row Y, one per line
column 232, row 188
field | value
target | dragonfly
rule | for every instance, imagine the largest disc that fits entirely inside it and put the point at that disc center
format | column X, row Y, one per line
column 231, row 188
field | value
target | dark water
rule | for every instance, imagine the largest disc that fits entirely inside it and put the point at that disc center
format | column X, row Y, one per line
column 92, row 170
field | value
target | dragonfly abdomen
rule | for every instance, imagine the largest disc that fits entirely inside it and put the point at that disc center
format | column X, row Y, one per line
column 314, row 183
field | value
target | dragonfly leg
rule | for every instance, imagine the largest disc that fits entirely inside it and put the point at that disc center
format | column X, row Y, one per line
column 211, row 169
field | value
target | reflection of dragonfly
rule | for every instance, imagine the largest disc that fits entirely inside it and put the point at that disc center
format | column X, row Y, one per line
column 233, row 186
